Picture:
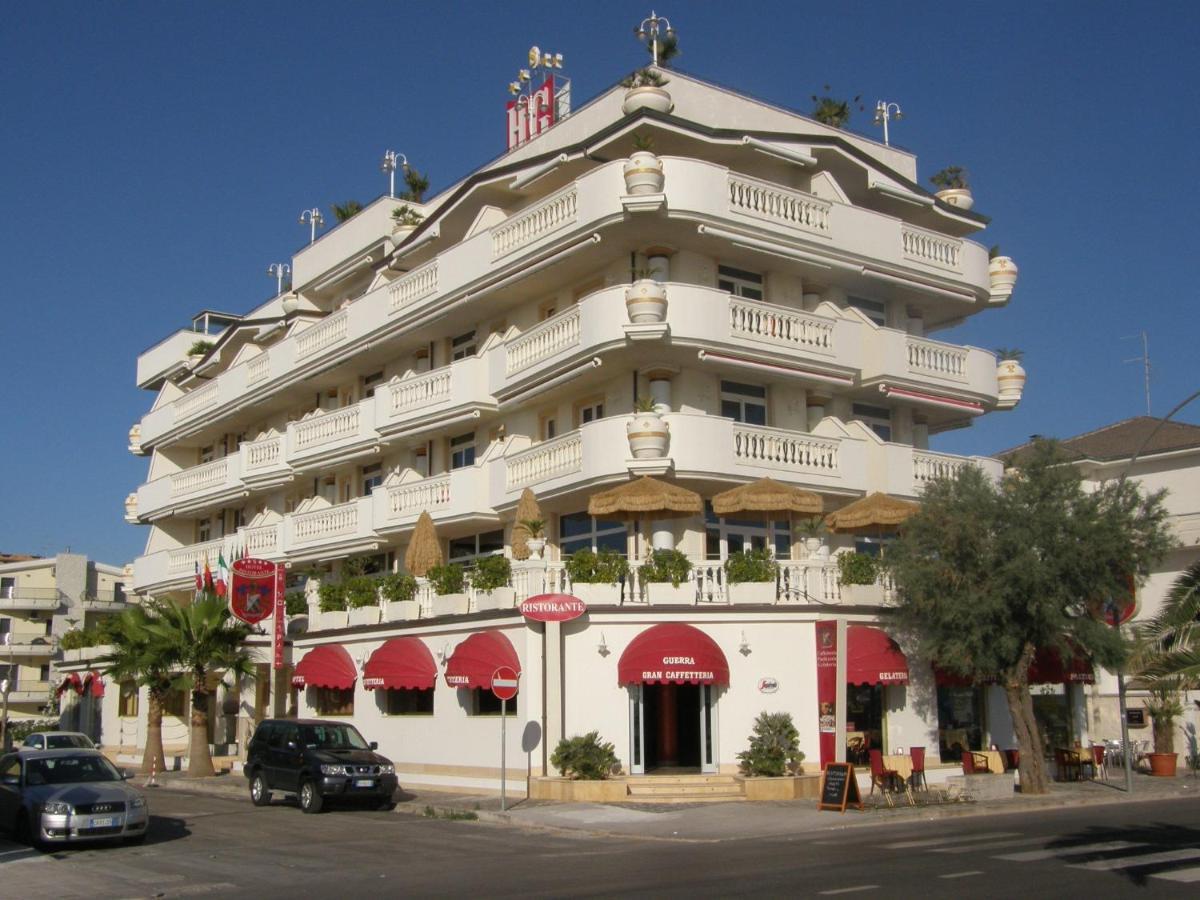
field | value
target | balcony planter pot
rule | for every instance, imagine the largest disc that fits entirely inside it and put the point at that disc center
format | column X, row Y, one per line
column 643, row 173
column 752, row 593
column 663, row 593
column 337, row 619
column 1010, row 377
column 647, row 97
column 1003, row 274
column 497, row 598
column 1162, row 764
column 402, row 610
column 648, row 435
column 646, row 301
column 451, row 604
column 536, row 546
column 365, row 615
column 290, row 303
column 597, row 594
column 960, row 197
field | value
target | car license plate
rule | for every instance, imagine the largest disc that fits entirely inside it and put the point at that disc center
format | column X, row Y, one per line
column 102, row 822
column 364, row 782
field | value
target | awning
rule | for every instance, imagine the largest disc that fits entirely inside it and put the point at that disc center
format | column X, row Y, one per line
column 1048, row 667
column 72, row 681
column 478, row 657
column 873, row 658
column 673, row 653
column 401, row 664
column 328, row 666
column 94, row 683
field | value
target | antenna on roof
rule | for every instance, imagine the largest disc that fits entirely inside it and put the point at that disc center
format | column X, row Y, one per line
column 1144, row 359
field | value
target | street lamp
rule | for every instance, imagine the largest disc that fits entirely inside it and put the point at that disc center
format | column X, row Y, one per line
column 314, row 219
column 280, row 271
column 650, row 29
column 389, row 165
column 5, row 685
column 885, row 111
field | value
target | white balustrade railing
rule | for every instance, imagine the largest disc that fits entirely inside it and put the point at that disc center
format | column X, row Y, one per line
column 326, row 428
column 928, row 466
column 549, row 459
column 261, row 540
column 790, row 450
column 544, row 340
column 258, row 368
column 420, row 390
column 780, row 325
column 320, row 336
column 412, row 498
column 199, row 478
column 416, row 285
column 196, row 401
column 930, row 247
column 185, row 559
column 935, row 358
column 528, row 225
column 778, row 204
column 320, row 524
column 263, row 453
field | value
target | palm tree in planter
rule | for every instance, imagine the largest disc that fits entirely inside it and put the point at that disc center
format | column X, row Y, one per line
column 1010, row 377
column 199, row 639
column 646, row 89
column 953, row 187
column 1002, row 274
column 833, row 112
column 344, row 211
column 417, row 185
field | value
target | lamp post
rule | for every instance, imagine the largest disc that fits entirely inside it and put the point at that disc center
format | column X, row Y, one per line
column 5, row 685
column 280, row 271
column 650, row 29
column 388, row 165
column 314, row 219
column 885, row 111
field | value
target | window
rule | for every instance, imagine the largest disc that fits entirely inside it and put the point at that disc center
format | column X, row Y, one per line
column 546, row 310
column 119, row 592
column 370, row 382
column 548, row 426
column 877, row 418
column 175, row 703
column 462, row 450
column 579, row 531
column 203, row 531
column 333, row 701
column 127, row 700
column 462, row 346
column 408, row 703
column 208, row 454
column 488, row 543
column 9, row 674
column 7, row 586
column 44, row 672
column 872, row 309
column 726, row 536
column 5, row 628
column 589, row 411
column 740, row 283
column 744, row 402
column 864, row 721
column 372, row 477
column 486, row 704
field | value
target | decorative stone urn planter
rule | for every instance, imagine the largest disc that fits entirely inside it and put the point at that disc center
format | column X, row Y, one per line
column 451, row 604
column 402, row 610
column 752, row 593
column 536, row 546
column 400, row 233
column 365, row 615
column 960, row 197
column 290, row 303
column 647, row 97
column 643, row 173
column 646, row 301
column 663, row 593
column 648, row 435
column 1162, row 764
column 1010, row 377
column 1003, row 273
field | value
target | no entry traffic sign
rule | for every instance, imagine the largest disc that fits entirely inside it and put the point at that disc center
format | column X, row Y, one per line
column 504, row 683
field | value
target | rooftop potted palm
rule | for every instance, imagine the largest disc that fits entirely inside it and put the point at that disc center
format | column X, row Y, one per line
column 405, row 220
column 647, row 432
column 536, row 542
column 831, row 111
column 645, row 298
column 953, row 187
column 645, row 89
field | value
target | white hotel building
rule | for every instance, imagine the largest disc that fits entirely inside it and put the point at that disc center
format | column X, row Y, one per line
column 447, row 368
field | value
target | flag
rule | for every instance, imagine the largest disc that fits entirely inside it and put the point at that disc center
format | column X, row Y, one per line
column 222, row 575
column 199, row 583
column 208, row 578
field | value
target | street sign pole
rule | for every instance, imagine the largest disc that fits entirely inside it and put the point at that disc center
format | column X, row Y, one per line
column 503, row 751
column 505, row 681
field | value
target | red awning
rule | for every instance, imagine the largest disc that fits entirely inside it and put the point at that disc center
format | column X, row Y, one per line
column 94, row 683
column 476, row 658
column 401, row 663
column 328, row 666
column 673, row 654
column 873, row 658
column 1048, row 668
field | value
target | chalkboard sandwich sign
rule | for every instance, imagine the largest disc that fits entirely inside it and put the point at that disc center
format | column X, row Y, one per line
column 839, row 787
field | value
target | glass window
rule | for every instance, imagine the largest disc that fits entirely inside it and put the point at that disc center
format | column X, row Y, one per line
column 486, row 704
column 462, row 346
column 408, row 702
column 370, row 382
column 372, row 477
column 740, row 282
column 579, row 531
column 462, row 450
column 864, row 721
column 127, row 700
column 960, row 721
column 591, row 412
column 472, row 546
column 333, row 702
column 872, row 309
column 744, row 402
column 877, row 418
column 725, row 536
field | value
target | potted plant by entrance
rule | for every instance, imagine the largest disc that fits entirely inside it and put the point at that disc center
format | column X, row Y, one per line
column 648, row 434
column 596, row 576
column 1010, row 377
column 773, row 760
column 490, row 579
column 586, row 764
column 1164, row 708
column 536, row 542
column 332, row 605
column 449, row 595
column 750, row 575
column 399, row 595
column 362, row 599
column 643, row 171
column 645, row 299
column 953, row 187
column 645, row 90
column 665, row 578
column 1002, row 273
column 857, row 573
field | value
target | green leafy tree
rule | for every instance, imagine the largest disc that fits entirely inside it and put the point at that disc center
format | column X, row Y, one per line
column 832, row 111
column 988, row 574
column 199, row 640
column 344, row 211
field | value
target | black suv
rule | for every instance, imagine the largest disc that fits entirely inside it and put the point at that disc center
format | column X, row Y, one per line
column 317, row 761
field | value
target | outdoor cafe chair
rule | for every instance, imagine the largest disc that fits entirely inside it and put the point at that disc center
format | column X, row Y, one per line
column 918, row 767
column 1012, row 759
column 971, row 766
column 1085, row 759
column 1099, row 761
column 887, row 779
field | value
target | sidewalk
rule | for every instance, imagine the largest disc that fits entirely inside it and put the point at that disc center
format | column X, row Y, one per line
column 710, row 822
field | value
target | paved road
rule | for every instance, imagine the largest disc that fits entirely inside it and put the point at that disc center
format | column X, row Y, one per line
column 205, row 845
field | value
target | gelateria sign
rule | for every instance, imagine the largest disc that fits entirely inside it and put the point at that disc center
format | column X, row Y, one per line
column 553, row 608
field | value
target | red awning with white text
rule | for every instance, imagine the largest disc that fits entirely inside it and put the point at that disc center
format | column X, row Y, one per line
column 873, row 658
column 478, row 657
column 401, row 664
column 327, row 666
column 673, row 653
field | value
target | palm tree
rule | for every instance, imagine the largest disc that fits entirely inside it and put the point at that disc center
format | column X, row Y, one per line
column 831, row 111
column 199, row 639
column 417, row 183
column 1170, row 642
column 343, row 211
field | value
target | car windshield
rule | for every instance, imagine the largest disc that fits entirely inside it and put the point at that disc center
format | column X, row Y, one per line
column 70, row 770
column 67, row 742
column 332, row 737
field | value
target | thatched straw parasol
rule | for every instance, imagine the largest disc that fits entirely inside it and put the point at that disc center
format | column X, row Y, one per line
column 424, row 549
column 645, row 497
column 768, row 499
column 527, row 510
column 872, row 513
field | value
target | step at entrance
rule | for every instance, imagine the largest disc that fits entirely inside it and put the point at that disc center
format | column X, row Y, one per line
column 684, row 788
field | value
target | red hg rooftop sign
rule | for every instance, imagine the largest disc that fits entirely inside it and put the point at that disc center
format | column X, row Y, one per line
column 534, row 109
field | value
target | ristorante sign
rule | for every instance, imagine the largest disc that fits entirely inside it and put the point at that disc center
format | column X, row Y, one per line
column 553, row 608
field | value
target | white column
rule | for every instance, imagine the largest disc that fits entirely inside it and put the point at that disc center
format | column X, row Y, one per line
column 662, row 535
column 839, row 738
column 554, row 687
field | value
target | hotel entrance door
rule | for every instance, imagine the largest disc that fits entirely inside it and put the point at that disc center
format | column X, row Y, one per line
column 672, row 727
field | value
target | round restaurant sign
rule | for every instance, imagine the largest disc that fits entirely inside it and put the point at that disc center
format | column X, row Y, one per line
column 505, row 682
column 553, row 608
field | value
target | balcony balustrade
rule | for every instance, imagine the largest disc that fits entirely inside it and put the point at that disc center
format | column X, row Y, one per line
column 556, row 335
column 325, row 334
column 25, row 647
column 781, row 325
column 413, row 286
column 201, row 478
column 324, row 525
column 931, row 247
column 16, row 597
column 526, row 227
column 778, row 204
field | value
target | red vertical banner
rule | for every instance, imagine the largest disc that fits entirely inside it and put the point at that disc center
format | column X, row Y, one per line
column 280, row 607
column 827, row 689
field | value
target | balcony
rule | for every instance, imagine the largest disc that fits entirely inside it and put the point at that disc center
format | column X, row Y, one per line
column 339, row 434
column 31, row 692
column 191, row 489
column 16, row 597
column 104, row 601
column 26, row 647
column 324, row 528
column 458, row 495
column 429, row 400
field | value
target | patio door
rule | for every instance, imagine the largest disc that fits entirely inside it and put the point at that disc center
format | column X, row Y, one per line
column 637, row 731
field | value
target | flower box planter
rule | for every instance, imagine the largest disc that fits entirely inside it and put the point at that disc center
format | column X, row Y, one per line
column 862, row 594
column 752, row 593
column 663, row 593
column 451, row 604
column 647, row 97
column 597, row 594
column 402, row 610
column 497, row 598
column 646, row 301
column 1163, row 764
column 72, row 655
column 365, row 615
column 786, row 787
column 643, row 173
column 607, row 790
column 337, row 619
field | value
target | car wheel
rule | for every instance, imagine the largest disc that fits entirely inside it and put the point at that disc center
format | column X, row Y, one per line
column 311, row 800
column 386, row 806
column 259, row 795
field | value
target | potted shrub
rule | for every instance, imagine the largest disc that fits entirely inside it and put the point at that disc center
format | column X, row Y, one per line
column 405, row 220
column 197, row 351
column 644, row 89
column 362, row 600
column 1164, row 708
column 1002, row 272
column 953, row 187
column 774, row 752
column 648, row 434
column 1010, row 377
column 814, row 532
column 750, row 575
column 595, row 577
column 295, row 603
column 664, row 577
column 857, row 573
column 643, row 171
column 584, row 757
column 332, row 605
column 449, row 594
column 536, row 542
column 645, row 298
column 399, row 596
column 490, row 578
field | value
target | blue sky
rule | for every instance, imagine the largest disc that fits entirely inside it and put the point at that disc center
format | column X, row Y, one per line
column 156, row 156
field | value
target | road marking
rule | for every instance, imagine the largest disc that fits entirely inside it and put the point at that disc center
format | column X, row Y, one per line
column 1184, row 875
column 962, row 874
column 994, row 845
column 1129, row 862
column 933, row 842
column 851, row 890
column 1077, row 849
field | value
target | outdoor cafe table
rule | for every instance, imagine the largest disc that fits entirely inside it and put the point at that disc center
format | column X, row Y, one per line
column 901, row 764
column 993, row 758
